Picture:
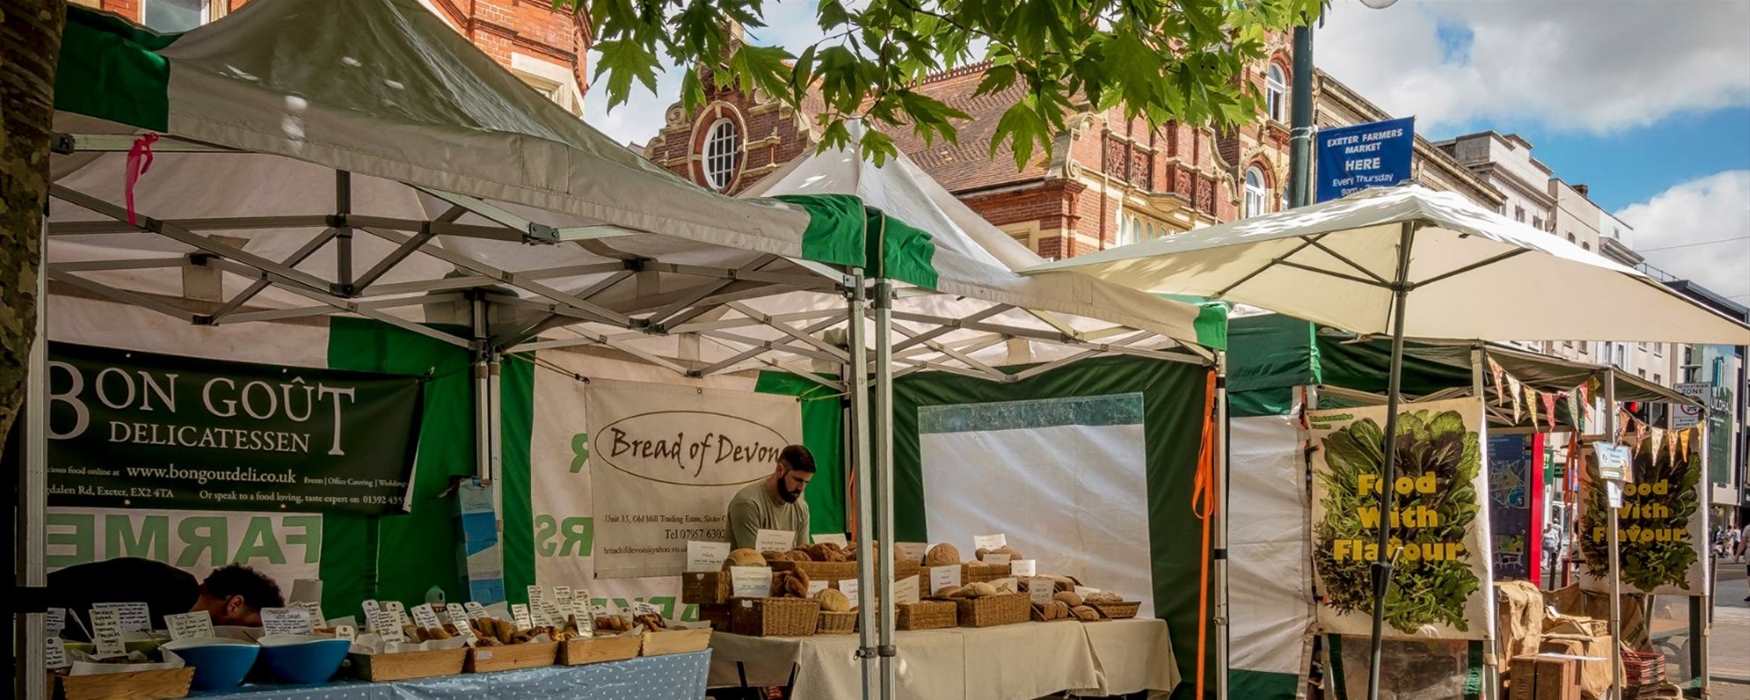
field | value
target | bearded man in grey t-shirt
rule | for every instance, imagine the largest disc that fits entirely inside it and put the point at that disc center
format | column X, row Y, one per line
column 775, row 502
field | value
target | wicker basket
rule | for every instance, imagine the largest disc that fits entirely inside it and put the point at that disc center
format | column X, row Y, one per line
column 819, row 570
column 775, row 617
column 156, row 684
column 836, row 623
column 993, row 610
column 1118, row 611
column 977, row 571
column 704, row 588
column 1641, row 669
column 927, row 615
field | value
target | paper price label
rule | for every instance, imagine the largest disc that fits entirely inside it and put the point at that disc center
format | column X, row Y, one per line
column 989, row 541
column 345, row 632
column 394, row 607
column 750, row 581
column 476, row 611
column 815, row 586
column 55, row 654
column 1613, row 493
column 285, row 621
column 1040, row 590
column 555, row 615
column 772, row 541
column 106, row 632
column 459, row 619
column 190, row 625
column 1083, row 591
column 520, row 614
column 581, row 607
column 849, row 588
column 910, row 551
column 646, row 608
column 706, row 556
column 315, row 610
column 54, row 620
column 535, row 595
column 837, row 538
column 135, row 617
column 905, row 591
column 562, row 595
column 426, row 617
column 370, row 606
column 383, row 623
column 1006, row 584
column 995, row 558
column 944, row 576
column 1022, row 567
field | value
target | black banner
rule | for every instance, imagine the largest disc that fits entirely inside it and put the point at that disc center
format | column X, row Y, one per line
column 143, row 430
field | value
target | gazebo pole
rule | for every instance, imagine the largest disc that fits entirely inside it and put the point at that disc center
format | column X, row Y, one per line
column 1382, row 563
column 883, row 442
column 1223, row 615
column 857, row 384
column 1615, row 559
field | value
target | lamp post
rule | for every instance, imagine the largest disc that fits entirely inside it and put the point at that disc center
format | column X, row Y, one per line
column 1301, row 105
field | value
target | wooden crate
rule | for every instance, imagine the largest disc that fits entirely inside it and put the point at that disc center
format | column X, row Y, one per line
column 704, row 588
column 774, row 617
column 512, row 656
column 663, row 642
column 408, row 665
column 576, row 652
column 157, row 684
column 1544, row 677
column 715, row 615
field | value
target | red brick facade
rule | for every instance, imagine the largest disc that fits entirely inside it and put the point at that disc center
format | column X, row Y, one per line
column 1108, row 181
column 553, row 42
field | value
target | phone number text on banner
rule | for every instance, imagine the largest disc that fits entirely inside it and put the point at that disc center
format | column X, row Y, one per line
column 143, row 430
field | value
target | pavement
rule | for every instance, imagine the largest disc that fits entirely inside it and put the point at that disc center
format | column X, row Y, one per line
column 1729, row 643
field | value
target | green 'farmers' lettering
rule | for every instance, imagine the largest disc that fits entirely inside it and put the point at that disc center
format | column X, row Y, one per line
column 259, row 543
column 305, row 530
column 579, row 452
column 202, row 534
column 77, row 531
column 575, row 536
column 151, row 541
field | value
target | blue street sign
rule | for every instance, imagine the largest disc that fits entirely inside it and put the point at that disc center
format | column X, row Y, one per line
column 1365, row 155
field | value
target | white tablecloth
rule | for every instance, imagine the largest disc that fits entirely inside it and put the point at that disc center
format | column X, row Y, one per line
column 994, row 663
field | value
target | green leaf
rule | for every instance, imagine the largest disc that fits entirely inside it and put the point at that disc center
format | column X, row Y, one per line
column 832, row 14
column 622, row 61
column 1023, row 128
column 692, row 90
column 996, row 79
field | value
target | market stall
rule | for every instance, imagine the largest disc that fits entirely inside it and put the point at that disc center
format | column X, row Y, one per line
column 312, row 217
column 1283, row 364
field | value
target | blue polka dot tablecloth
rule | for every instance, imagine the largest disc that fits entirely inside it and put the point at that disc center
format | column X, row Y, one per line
column 674, row 677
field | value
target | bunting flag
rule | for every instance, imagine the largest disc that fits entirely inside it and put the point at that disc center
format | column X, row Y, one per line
column 1658, row 442
column 1495, row 370
column 1574, row 411
column 1671, row 449
column 1640, row 433
column 1623, row 421
column 1531, row 402
column 1549, row 409
column 1683, row 441
column 1514, row 385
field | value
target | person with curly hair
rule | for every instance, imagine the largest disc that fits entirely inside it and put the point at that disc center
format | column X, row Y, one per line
column 232, row 594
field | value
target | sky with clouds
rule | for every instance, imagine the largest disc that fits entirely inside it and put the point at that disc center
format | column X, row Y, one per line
column 1646, row 101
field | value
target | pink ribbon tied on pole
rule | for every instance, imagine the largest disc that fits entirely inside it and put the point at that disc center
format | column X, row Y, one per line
column 139, row 161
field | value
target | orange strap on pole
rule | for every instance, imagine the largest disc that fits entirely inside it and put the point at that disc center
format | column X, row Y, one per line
column 1203, row 503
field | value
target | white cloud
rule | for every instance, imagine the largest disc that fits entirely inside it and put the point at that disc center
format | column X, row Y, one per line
column 789, row 23
column 1700, row 211
column 1590, row 65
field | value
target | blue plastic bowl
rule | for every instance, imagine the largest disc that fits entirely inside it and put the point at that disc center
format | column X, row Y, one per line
column 219, row 664
column 303, row 659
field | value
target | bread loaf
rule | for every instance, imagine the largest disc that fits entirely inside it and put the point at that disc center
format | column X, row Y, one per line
column 941, row 555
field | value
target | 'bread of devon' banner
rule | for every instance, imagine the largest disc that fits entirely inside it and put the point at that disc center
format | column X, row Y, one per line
column 1438, row 529
column 664, row 460
column 144, row 430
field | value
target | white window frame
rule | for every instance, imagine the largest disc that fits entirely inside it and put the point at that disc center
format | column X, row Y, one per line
column 1276, row 92
column 1257, row 194
column 720, row 168
column 207, row 13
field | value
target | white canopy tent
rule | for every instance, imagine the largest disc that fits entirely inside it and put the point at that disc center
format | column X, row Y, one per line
column 347, row 157
column 1358, row 263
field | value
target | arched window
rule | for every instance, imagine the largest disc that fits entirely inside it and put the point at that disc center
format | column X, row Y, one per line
column 1257, row 195
column 722, row 154
column 1275, row 93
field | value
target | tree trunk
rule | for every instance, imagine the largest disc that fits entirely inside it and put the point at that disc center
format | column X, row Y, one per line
column 30, row 46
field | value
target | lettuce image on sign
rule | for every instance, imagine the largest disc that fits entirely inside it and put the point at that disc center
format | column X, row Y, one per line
column 663, row 462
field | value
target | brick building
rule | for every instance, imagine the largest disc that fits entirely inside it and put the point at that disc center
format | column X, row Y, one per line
column 542, row 46
column 1106, row 181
